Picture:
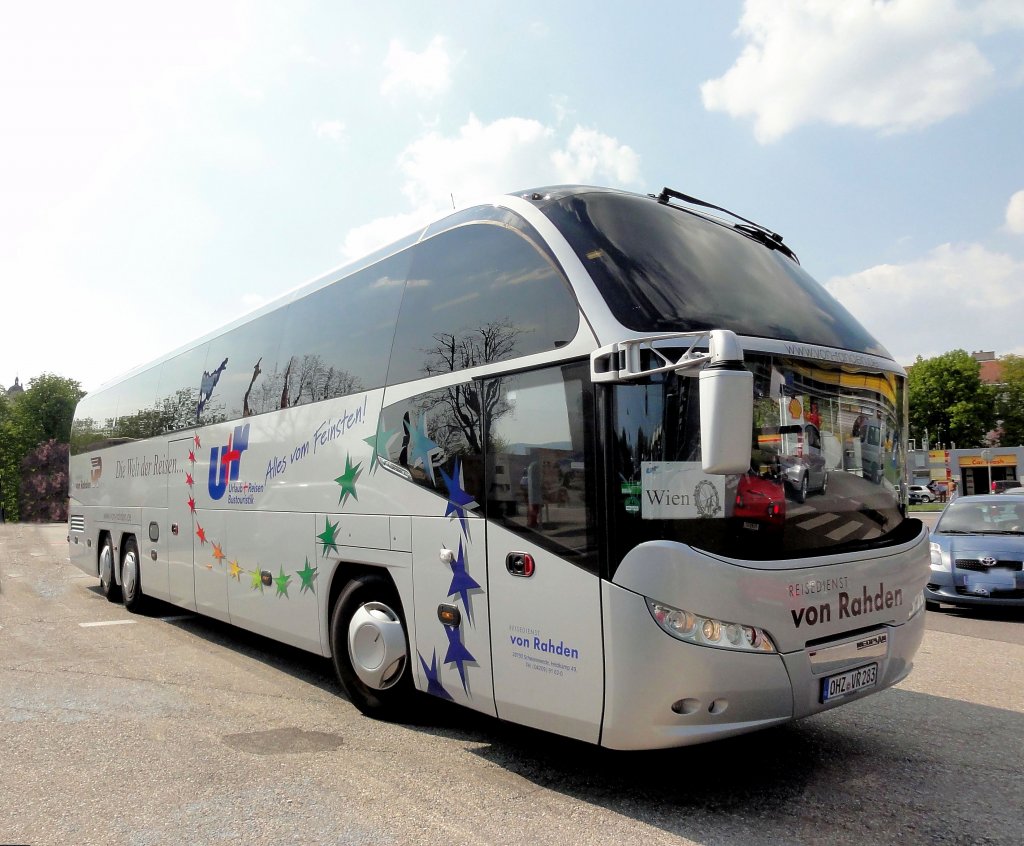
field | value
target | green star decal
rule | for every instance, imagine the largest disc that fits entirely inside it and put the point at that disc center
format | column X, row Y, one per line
column 379, row 442
column 308, row 575
column 257, row 581
column 282, row 583
column 347, row 480
column 327, row 536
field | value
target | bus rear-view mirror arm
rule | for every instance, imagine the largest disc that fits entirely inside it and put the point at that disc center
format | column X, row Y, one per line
column 726, row 386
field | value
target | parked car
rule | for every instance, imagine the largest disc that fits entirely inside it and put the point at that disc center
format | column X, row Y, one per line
column 1007, row 486
column 800, row 456
column 977, row 552
column 920, row 493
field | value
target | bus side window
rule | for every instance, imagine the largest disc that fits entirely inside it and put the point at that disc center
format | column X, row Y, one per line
column 336, row 340
column 478, row 294
column 438, row 437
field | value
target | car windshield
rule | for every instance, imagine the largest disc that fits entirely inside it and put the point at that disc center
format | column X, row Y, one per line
column 982, row 517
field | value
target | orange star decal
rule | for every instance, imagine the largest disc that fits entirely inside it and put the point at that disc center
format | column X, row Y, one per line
column 218, row 553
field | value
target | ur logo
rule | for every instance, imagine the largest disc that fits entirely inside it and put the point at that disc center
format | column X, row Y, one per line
column 225, row 460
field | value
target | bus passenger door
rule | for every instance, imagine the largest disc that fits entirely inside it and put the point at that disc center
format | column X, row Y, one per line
column 180, row 529
column 543, row 588
column 453, row 659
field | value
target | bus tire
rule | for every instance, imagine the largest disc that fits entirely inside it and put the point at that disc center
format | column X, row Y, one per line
column 108, row 583
column 370, row 648
column 131, row 577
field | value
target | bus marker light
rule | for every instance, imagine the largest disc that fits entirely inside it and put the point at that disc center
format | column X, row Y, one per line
column 449, row 615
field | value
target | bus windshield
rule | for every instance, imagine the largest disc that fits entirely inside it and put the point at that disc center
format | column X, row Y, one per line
column 665, row 269
column 825, row 474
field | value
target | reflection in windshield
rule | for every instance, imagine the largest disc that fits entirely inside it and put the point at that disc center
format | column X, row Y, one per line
column 826, row 469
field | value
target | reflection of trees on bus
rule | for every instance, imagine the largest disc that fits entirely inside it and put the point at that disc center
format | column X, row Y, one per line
column 462, row 410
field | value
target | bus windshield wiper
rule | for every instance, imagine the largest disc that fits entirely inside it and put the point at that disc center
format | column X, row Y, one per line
column 772, row 240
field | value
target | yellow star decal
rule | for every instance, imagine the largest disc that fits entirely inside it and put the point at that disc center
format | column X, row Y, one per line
column 236, row 571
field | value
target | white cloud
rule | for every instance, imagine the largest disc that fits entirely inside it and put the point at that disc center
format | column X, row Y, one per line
column 426, row 74
column 956, row 297
column 332, row 130
column 887, row 66
column 481, row 160
column 1015, row 213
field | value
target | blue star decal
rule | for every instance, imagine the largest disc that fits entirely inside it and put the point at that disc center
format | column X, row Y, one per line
column 457, row 654
column 434, row 686
column 420, row 447
column 462, row 582
column 458, row 499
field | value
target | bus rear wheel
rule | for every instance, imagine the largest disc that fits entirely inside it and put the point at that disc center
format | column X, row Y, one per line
column 108, row 584
column 370, row 648
column 131, row 580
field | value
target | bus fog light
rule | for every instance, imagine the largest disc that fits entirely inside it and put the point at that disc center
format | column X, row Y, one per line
column 707, row 631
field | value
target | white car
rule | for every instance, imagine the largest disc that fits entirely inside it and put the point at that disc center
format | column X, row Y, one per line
column 919, row 493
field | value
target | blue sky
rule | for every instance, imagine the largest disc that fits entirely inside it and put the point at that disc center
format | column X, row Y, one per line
column 166, row 169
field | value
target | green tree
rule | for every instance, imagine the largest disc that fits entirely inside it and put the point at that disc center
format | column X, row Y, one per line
column 1010, row 401
column 948, row 401
column 42, row 413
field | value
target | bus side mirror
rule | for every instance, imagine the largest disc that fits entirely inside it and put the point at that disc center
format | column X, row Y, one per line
column 726, row 417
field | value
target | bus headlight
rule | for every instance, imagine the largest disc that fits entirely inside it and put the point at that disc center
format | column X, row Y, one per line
column 707, row 631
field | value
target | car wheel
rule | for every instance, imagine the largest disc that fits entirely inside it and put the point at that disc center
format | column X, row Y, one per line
column 370, row 648
column 824, row 484
column 801, row 494
column 131, row 579
column 111, row 590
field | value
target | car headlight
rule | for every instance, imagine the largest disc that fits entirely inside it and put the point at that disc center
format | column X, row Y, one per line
column 940, row 559
column 707, row 631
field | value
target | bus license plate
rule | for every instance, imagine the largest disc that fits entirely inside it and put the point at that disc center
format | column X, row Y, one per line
column 844, row 684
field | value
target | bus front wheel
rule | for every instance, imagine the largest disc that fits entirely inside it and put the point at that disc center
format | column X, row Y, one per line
column 370, row 648
column 111, row 590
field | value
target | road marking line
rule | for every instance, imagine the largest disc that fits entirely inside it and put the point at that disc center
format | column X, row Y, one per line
column 108, row 623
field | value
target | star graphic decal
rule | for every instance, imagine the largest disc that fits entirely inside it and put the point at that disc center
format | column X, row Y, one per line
column 434, row 686
column 218, row 552
column 188, row 480
column 458, row 499
column 192, row 456
column 201, row 534
column 462, row 582
column 191, row 505
column 347, row 480
column 235, row 571
column 420, row 447
column 457, row 654
column 257, row 579
column 196, row 439
column 308, row 575
column 282, row 582
column 328, row 536
column 378, row 443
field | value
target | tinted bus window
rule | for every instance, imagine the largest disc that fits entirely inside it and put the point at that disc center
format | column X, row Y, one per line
column 242, row 370
column 478, row 294
column 336, row 340
column 181, row 384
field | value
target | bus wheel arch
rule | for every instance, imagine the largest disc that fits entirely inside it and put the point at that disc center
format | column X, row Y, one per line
column 131, row 574
column 370, row 643
column 106, row 567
